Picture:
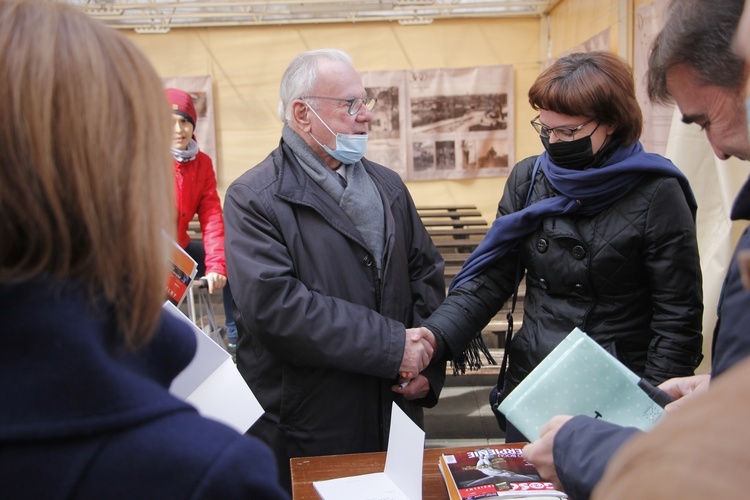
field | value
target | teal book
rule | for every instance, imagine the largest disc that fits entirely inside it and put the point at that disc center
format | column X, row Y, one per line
column 579, row 377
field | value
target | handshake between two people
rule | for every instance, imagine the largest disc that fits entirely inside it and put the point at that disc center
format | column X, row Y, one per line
column 419, row 347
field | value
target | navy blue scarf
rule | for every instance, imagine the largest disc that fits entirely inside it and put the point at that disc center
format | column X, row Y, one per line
column 580, row 191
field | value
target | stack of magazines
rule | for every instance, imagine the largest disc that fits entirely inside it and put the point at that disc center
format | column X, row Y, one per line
column 497, row 471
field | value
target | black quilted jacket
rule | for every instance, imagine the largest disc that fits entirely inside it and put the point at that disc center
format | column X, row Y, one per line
column 628, row 276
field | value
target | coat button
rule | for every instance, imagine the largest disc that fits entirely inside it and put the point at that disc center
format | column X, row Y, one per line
column 579, row 252
column 542, row 245
column 581, row 289
column 543, row 284
column 367, row 260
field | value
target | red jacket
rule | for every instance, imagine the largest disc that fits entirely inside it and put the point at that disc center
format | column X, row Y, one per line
column 195, row 193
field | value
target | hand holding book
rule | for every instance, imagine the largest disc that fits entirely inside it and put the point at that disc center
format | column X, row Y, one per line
column 683, row 389
column 580, row 378
column 540, row 452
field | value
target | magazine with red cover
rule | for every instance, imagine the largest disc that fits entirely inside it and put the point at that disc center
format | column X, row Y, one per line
column 497, row 471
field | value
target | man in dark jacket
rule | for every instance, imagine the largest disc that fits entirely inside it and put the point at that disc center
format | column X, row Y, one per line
column 330, row 265
column 693, row 64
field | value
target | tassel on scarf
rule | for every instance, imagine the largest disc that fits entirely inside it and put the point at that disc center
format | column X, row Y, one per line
column 471, row 357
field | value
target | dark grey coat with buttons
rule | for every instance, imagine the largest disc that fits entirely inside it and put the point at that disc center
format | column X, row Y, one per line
column 321, row 338
column 628, row 276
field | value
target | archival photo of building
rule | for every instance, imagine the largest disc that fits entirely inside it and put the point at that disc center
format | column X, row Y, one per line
column 445, row 123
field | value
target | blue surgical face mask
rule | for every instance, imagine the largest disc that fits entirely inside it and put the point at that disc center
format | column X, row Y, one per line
column 350, row 148
column 747, row 110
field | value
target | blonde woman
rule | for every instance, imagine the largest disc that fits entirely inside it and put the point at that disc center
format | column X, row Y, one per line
column 85, row 192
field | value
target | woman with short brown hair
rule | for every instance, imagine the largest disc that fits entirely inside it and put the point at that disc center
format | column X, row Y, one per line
column 597, row 85
column 603, row 231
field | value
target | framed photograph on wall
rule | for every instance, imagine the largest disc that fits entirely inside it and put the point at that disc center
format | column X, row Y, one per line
column 443, row 123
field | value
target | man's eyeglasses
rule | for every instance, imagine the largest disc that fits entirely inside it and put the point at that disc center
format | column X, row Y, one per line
column 565, row 134
column 355, row 103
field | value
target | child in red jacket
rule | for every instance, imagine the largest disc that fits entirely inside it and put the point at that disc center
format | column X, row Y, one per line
column 195, row 193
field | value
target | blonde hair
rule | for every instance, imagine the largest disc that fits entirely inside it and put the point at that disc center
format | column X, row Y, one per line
column 86, row 183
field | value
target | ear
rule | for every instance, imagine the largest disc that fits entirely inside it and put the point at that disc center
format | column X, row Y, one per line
column 301, row 115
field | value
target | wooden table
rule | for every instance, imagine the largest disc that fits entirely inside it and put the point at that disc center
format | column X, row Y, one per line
column 308, row 469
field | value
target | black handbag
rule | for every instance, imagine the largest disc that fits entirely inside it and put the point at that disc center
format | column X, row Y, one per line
column 497, row 394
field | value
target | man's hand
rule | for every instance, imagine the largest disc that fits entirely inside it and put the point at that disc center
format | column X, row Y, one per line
column 417, row 353
column 540, row 454
column 215, row 281
column 683, row 389
column 416, row 388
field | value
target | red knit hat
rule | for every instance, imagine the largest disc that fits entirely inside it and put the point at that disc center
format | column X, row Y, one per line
column 182, row 104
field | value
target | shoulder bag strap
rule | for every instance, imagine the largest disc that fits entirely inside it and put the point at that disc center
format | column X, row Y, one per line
column 519, row 275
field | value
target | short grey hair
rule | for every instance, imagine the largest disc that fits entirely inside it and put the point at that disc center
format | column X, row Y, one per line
column 300, row 77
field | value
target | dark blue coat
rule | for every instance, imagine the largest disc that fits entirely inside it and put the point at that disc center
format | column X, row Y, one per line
column 81, row 417
column 583, row 446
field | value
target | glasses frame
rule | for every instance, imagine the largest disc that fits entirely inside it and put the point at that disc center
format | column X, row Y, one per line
column 367, row 102
column 540, row 129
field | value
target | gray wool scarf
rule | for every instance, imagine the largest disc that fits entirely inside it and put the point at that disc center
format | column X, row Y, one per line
column 360, row 200
column 183, row 155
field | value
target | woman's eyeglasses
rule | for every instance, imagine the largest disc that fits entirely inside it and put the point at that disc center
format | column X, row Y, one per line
column 565, row 134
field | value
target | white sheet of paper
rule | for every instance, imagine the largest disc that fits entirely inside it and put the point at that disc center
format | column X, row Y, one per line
column 377, row 486
column 212, row 383
column 403, row 462
column 225, row 396
column 402, row 479
column 208, row 357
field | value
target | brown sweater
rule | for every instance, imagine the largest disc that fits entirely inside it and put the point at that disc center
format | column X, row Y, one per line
column 702, row 451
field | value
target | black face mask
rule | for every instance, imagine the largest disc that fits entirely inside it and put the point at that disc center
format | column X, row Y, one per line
column 575, row 155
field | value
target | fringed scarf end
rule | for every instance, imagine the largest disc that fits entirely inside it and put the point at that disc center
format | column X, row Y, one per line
column 471, row 357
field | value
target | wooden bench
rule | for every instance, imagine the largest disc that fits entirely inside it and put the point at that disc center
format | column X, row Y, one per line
column 458, row 232
column 194, row 229
column 448, row 245
column 428, row 208
column 454, row 258
column 450, row 214
column 454, row 223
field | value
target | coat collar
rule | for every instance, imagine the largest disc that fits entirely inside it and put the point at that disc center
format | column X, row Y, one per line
column 296, row 186
column 741, row 207
column 64, row 372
